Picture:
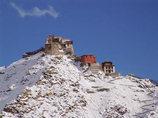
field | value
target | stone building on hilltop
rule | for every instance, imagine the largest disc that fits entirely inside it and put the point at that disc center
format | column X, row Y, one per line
column 56, row 45
column 53, row 45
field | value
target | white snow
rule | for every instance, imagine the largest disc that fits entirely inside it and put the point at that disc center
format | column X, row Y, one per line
column 2, row 70
column 54, row 87
column 12, row 87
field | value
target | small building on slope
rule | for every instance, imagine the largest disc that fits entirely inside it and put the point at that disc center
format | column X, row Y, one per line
column 90, row 60
column 109, row 69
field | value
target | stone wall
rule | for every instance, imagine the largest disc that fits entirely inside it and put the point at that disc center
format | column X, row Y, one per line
column 27, row 54
column 95, row 67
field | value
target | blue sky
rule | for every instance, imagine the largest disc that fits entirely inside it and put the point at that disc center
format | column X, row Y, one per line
column 123, row 31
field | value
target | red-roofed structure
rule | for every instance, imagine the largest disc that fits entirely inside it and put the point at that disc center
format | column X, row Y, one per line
column 90, row 59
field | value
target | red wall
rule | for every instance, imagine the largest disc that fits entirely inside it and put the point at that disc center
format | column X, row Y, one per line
column 88, row 59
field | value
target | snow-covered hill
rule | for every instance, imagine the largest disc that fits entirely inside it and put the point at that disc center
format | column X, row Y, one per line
column 56, row 87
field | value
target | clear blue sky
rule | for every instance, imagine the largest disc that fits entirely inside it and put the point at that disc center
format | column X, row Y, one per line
column 123, row 31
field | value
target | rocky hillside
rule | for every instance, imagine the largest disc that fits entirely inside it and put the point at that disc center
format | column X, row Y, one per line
column 56, row 87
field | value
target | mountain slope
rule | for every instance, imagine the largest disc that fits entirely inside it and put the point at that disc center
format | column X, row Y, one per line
column 49, row 86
